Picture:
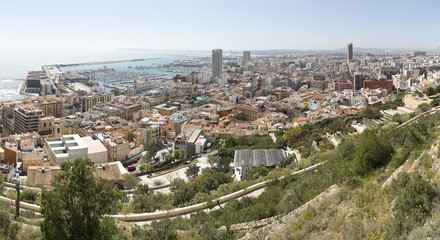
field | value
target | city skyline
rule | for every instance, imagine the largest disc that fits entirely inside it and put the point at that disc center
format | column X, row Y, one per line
column 200, row 25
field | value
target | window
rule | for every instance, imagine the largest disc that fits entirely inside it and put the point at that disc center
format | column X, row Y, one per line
column 58, row 130
column 45, row 125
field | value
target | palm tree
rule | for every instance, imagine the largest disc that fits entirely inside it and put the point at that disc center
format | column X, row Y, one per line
column 182, row 153
column 164, row 155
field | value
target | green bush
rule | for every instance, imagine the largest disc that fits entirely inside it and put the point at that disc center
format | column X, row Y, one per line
column 257, row 172
column 412, row 205
column 372, row 152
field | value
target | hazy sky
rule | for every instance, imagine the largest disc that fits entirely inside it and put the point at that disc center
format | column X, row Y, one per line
column 227, row 24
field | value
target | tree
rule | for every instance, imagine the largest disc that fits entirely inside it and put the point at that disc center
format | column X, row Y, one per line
column 129, row 136
column 165, row 134
column 29, row 195
column 76, row 207
column 370, row 113
column 163, row 155
column 192, row 171
column 176, row 155
column 130, row 181
column 182, row 153
column 422, row 108
column 435, row 102
column 230, row 142
column 151, row 154
column 216, row 143
column 116, row 92
column 372, row 152
column 430, row 91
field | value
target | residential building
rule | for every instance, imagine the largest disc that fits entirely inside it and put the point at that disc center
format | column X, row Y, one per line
column 217, row 63
column 166, row 109
column 26, row 118
column 249, row 113
column 246, row 57
column 117, row 148
column 341, row 85
column 51, row 106
column 152, row 134
column 42, row 176
column 379, row 83
column 349, row 51
column 34, row 159
column 88, row 101
column 6, row 171
column 358, row 81
column 11, row 155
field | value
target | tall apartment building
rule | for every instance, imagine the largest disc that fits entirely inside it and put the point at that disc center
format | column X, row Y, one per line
column 217, row 63
column 379, row 83
column 88, row 101
column 358, row 81
column 349, row 51
column 26, row 118
column 246, row 57
column 342, row 85
column 152, row 134
column 51, row 106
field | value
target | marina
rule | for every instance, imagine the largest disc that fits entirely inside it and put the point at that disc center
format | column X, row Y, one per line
column 121, row 74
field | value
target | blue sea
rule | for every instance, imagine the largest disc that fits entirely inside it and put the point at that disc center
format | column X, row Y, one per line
column 14, row 65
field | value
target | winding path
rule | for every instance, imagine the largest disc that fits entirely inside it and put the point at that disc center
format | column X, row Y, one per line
column 140, row 217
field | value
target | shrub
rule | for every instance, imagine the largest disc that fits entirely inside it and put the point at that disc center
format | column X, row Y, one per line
column 372, row 152
column 412, row 205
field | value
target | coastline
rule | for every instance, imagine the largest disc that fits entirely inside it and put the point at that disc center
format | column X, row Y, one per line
column 53, row 70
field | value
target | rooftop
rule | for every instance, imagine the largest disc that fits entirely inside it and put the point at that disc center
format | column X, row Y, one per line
column 259, row 157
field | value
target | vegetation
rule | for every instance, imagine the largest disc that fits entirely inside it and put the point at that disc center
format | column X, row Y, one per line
column 373, row 151
column 129, row 136
column 75, row 209
column 192, row 171
column 396, row 102
column 130, row 181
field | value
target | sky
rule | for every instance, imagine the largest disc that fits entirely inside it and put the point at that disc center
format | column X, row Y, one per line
column 84, row 25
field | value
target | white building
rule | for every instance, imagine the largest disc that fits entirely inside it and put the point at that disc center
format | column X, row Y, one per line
column 97, row 152
column 65, row 149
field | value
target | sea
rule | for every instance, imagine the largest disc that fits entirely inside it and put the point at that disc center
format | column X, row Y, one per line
column 14, row 65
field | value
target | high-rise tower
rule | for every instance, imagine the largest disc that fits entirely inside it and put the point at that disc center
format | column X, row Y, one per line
column 246, row 57
column 216, row 63
column 349, row 51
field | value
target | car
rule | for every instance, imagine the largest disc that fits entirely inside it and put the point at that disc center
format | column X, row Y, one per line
column 131, row 168
column 126, row 164
column 134, row 160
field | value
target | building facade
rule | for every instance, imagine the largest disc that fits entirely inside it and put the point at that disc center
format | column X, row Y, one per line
column 65, row 149
column 349, row 51
column 217, row 63
column 26, row 118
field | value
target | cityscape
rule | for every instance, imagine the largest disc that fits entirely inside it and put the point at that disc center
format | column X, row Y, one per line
column 336, row 139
